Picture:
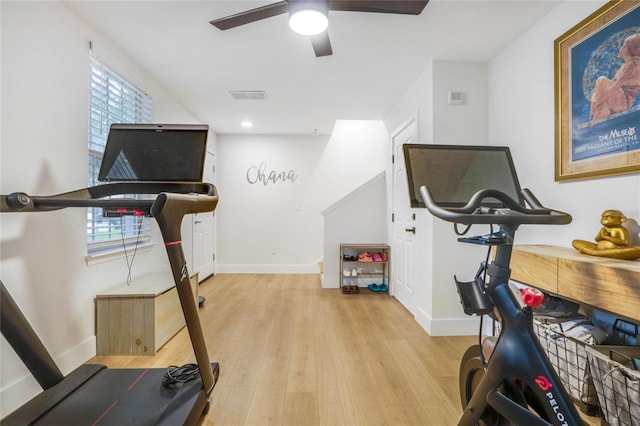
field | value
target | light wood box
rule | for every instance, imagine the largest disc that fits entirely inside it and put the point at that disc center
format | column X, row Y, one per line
column 609, row 284
column 138, row 319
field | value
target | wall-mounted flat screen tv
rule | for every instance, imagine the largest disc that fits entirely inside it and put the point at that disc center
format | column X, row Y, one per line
column 154, row 152
column 453, row 173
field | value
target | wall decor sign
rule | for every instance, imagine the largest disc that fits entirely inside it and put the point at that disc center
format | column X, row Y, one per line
column 597, row 107
column 260, row 174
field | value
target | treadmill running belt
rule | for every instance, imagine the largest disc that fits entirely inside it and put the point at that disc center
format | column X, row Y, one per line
column 128, row 397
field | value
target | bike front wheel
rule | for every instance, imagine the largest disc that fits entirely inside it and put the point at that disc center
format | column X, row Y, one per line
column 472, row 370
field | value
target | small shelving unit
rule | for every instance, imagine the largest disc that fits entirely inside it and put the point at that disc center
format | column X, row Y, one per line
column 357, row 275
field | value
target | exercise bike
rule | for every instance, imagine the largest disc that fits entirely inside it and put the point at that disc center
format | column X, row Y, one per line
column 505, row 379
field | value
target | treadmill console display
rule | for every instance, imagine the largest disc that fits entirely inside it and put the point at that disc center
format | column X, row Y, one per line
column 154, row 152
column 453, row 173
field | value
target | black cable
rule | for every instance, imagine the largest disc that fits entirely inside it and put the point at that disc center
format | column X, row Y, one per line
column 466, row 229
column 482, row 360
column 135, row 249
column 182, row 374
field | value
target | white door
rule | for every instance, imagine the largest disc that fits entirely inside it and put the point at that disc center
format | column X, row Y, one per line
column 403, row 248
column 203, row 230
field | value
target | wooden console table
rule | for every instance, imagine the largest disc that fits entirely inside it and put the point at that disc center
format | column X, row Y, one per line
column 138, row 319
column 608, row 284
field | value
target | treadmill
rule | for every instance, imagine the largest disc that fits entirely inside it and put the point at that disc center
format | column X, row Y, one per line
column 156, row 170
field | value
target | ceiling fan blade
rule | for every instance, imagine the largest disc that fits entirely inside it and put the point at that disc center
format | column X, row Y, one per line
column 321, row 44
column 250, row 16
column 404, row 7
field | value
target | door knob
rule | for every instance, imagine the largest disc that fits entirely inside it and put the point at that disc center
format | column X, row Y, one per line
column 413, row 229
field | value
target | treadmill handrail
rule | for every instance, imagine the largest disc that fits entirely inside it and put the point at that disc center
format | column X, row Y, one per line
column 94, row 196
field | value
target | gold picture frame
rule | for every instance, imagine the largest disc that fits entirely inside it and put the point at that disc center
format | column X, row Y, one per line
column 597, row 105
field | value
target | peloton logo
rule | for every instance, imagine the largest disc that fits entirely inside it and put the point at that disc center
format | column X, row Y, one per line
column 545, row 385
column 543, row 382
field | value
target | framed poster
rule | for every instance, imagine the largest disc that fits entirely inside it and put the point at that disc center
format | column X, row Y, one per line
column 597, row 82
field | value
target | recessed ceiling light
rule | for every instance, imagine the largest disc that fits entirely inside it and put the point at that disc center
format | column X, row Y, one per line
column 247, row 124
column 249, row 95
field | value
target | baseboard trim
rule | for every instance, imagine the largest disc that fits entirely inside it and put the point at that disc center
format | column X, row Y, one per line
column 267, row 269
column 447, row 326
column 329, row 282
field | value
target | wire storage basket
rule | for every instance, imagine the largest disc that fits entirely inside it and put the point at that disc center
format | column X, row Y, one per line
column 617, row 382
column 568, row 356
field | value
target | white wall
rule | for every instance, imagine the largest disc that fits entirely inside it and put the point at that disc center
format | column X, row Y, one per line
column 278, row 227
column 45, row 65
column 359, row 218
column 437, row 307
column 416, row 101
column 521, row 113
column 464, row 124
column 266, row 225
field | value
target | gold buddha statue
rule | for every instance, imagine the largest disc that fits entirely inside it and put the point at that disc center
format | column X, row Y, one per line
column 612, row 240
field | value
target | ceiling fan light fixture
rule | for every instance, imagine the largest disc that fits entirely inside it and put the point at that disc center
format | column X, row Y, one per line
column 308, row 22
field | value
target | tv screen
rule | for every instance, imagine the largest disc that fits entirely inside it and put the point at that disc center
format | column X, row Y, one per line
column 453, row 173
column 154, row 152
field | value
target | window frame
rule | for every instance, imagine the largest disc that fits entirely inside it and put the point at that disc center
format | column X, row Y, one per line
column 113, row 98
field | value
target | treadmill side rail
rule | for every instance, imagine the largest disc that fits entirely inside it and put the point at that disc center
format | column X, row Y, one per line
column 46, row 401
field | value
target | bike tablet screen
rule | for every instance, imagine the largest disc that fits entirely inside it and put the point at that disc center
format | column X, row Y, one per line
column 154, row 152
column 453, row 173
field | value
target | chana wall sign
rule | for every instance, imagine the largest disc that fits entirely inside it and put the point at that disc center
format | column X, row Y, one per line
column 261, row 174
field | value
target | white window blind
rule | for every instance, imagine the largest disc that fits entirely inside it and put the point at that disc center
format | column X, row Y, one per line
column 112, row 99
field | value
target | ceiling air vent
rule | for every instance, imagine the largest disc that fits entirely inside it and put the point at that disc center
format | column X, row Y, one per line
column 249, row 95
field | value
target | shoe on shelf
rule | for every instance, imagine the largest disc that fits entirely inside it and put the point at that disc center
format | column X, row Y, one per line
column 365, row 256
column 350, row 289
column 374, row 287
column 383, row 288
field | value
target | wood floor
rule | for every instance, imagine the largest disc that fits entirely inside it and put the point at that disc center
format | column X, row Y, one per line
column 292, row 353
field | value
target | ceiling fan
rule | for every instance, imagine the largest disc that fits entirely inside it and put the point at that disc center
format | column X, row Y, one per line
column 319, row 9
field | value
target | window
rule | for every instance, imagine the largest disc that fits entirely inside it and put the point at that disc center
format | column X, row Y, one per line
column 112, row 99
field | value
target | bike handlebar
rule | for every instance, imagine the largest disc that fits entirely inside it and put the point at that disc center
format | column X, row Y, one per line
column 512, row 214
